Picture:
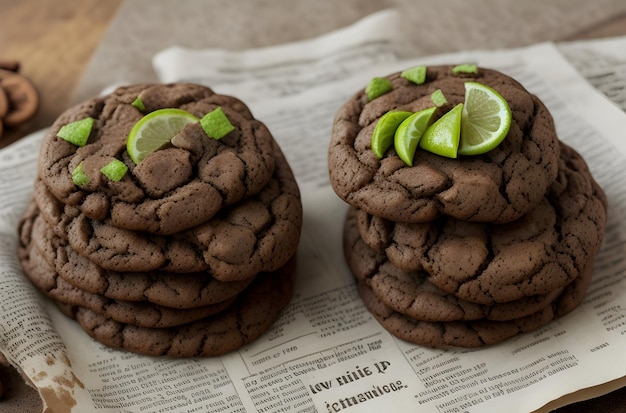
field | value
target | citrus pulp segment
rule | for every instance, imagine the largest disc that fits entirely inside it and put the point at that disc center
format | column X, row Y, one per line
column 442, row 137
column 486, row 119
column 155, row 130
column 409, row 133
column 384, row 131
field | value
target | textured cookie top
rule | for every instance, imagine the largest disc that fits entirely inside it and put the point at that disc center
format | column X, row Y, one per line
column 499, row 186
column 258, row 234
column 494, row 263
column 172, row 189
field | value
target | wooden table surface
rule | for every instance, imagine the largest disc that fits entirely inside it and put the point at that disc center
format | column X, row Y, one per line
column 53, row 40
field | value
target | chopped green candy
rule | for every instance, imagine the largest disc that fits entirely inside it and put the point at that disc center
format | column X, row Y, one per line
column 415, row 74
column 216, row 124
column 114, row 170
column 76, row 132
column 438, row 98
column 378, row 86
column 79, row 177
column 465, row 69
column 138, row 103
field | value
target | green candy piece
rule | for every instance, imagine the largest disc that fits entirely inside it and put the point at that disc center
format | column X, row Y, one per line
column 77, row 132
column 79, row 177
column 377, row 86
column 114, row 170
column 465, row 68
column 138, row 103
column 216, row 124
column 438, row 98
column 415, row 74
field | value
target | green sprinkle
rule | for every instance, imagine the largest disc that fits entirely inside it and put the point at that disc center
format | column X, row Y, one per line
column 438, row 98
column 76, row 132
column 79, row 177
column 114, row 170
column 415, row 74
column 465, row 69
column 216, row 124
column 378, row 86
column 138, row 103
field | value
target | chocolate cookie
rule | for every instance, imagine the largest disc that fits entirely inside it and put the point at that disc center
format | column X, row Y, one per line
column 411, row 294
column 256, row 234
column 40, row 271
column 247, row 318
column 171, row 189
column 174, row 290
column 489, row 263
column 476, row 333
column 499, row 186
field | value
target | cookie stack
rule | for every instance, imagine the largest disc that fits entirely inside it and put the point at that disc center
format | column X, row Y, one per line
column 473, row 250
column 190, row 253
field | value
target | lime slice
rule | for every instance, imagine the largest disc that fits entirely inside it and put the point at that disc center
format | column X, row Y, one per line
column 442, row 137
column 155, row 130
column 385, row 129
column 410, row 132
column 486, row 119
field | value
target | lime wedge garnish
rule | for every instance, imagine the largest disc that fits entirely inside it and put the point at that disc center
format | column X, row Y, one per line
column 114, row 170
column 378, row 86
column 215, row 124
column 138, row 103
column 384, row 131
column 79, row 177
column 438, row 98
column 415, row 74
column 486, row 119
column 76, row 132
column 155, row 130
column 466, row 68
column 442, row 137
column 410, row 132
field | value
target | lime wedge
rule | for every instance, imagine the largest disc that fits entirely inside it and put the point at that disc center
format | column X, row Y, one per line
column 385, row 129
column 442, row 137
column 378, row 86
column 155, row 130
column 114, row 170
column 76, row 132
column 410, row 132
column 79, row 177
column 486, row 119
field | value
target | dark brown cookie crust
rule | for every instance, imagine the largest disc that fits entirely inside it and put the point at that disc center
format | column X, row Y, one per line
column 499, row 186
column 257, row 234
column 171, row 189
column 245, row 320
column 411, row 294
column 478, row 333
column 496, row 263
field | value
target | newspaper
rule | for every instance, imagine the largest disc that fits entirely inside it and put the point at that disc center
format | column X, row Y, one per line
column 326, row 353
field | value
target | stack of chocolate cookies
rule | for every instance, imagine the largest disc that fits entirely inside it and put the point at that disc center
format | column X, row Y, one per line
column 190, row 253
column 465, row 251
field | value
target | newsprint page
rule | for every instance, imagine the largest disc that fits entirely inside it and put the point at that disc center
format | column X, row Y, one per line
column 326, row 353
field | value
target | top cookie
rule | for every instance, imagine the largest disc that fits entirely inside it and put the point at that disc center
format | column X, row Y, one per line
column 171, row 189
column 499, row 186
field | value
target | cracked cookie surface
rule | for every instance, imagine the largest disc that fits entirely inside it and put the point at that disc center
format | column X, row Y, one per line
column 489, row 263
column 411, row 294
column 175, row 188
column 499, row 186
column 252, row 313
column 256, row 234
column 475, row 333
